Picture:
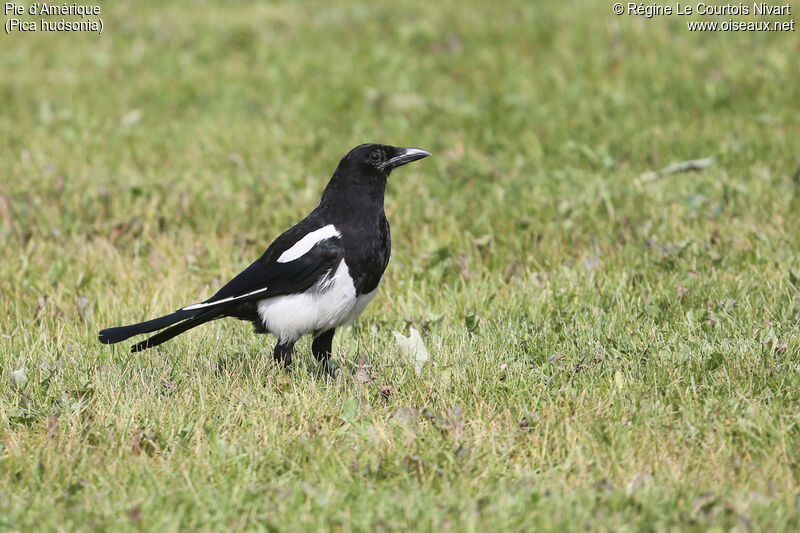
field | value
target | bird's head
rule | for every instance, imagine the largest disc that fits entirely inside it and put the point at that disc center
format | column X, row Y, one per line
column 362, row 173
column 378, row 160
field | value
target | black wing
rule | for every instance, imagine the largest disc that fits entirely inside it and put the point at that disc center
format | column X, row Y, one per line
column 266, row 280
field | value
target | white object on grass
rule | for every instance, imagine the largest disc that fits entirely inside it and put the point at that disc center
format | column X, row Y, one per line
column 413, row 347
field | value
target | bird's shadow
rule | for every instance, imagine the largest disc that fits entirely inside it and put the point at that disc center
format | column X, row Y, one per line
column 249, row 363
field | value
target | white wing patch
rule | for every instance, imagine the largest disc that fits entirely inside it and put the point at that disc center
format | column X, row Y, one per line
column 224, row 300
column 305, row 244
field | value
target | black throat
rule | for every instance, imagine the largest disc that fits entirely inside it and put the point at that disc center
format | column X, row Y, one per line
column 354, row 204
column 353, row 198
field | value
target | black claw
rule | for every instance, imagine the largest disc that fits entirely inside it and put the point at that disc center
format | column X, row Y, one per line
column 332, row 369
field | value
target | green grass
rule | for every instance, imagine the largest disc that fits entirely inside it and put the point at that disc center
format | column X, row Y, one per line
column 607, row 352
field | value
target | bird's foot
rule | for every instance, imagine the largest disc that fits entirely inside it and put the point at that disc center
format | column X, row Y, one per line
column 283, row 354
column 332, row 369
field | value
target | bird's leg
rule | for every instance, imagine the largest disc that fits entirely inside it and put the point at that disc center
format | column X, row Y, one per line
column 321, row 348
column 283, row 352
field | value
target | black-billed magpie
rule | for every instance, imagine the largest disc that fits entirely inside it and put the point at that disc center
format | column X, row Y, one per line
column 317, row 276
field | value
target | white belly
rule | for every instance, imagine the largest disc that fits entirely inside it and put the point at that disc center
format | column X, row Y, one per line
column 324, row 306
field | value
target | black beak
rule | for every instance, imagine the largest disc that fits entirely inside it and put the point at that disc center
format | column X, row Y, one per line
column 405, row 155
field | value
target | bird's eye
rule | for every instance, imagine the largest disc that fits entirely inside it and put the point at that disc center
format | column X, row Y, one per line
column 375, row 156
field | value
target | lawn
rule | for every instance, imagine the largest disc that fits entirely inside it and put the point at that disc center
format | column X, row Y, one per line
column 609, row 349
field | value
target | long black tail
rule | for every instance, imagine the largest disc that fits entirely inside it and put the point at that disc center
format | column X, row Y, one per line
column 163, row 336
column 114, row 335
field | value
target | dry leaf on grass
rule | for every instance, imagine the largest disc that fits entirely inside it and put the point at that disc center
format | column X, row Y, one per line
column 412, row 347
column 363, row 374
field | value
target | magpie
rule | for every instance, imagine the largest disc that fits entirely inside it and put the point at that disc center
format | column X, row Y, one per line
column 315, row 277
